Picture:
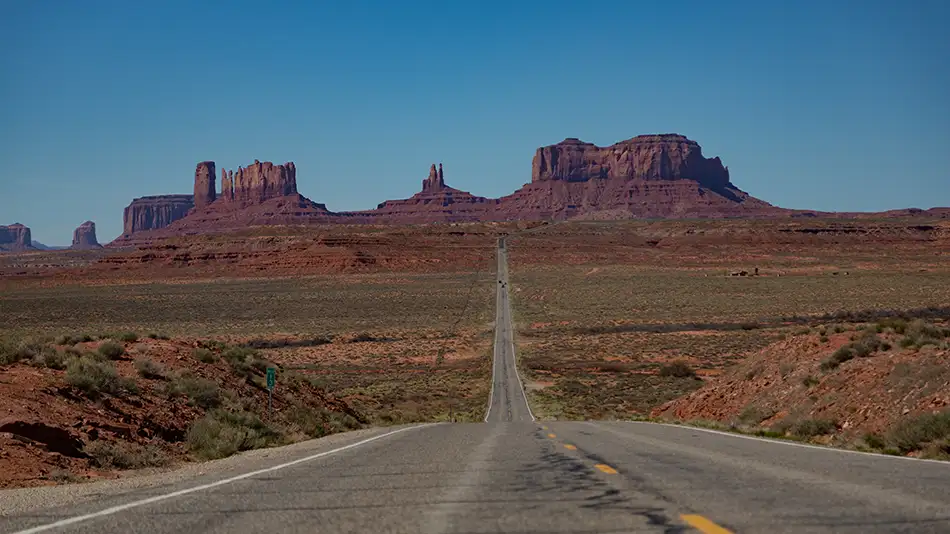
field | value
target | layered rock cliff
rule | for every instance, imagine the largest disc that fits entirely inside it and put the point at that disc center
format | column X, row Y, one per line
column 646, row 176
column 84, row 237
column 152, row 213
column 205, row 188
column 15, row 237
column 258, row 182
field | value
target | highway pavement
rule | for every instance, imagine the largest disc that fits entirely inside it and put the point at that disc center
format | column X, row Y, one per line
column 514, row 474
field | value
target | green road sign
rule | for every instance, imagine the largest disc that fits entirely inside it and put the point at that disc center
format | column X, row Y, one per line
column 271, row 378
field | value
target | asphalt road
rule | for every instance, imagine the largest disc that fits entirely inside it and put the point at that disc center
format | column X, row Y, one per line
column 512, row 474
column 508, row 402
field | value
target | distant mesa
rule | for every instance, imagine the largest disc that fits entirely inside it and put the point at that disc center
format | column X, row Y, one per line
column 84, row 237
column 262, row 193
column 648, row 176
column 15, row 238
column 155, row 212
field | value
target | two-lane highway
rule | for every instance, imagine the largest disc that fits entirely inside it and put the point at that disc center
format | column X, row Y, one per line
column 513, row 474
column 507, row 402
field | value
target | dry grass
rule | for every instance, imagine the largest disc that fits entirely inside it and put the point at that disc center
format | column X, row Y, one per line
column 602, row 308
column 396, row 347
column 317, row 305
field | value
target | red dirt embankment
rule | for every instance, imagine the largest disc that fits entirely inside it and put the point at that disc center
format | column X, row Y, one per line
column 63, row 421
column 798, row 379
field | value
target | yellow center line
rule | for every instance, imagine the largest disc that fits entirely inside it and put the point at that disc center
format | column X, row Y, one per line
column 704, row 525
column 552, row 436
column 570, row 447
column 606, row 469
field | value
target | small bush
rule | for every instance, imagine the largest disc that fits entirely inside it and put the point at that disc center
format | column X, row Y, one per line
column 916, row 433
column 898, row 325
column 149, row 369
column 128, row 337
column 204, row 355
column 11, row 353
column 66, row 340
column 313, row 423
column 342, row 422
column 810, row 381
column 212, row 344
column 907, row 342
column 677, row 370
column 111, row 350
column 51, row 359
column 839, row 356
column 874, row 441
column 921, row 328
column 222, row 433
column 754, row 415
column 95, row 377
column 823, row 339
column 121, row 455
column 809, row 428
column 200, row 392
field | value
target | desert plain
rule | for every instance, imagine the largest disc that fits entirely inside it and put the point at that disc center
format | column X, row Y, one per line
column 149, row 357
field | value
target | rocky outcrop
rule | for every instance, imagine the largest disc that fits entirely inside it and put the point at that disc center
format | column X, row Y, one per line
column 435, row 181
column 645, row 157
column 205, row 188
column 436, row 202
column 15, row 237
column 258, row 182
column 646, row 176
column 152, row 213
column 84, row 237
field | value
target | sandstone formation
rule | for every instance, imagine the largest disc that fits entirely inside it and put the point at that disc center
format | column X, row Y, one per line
column 258, row 182
column 205, row 189
column 435, row 181
column 152, row 213
column 645, row 157
column 84, row 237
column 15, row 237
column 436, row 202
column 646, row 176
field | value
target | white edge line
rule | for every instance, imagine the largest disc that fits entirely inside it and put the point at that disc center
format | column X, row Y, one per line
column 791, row 443
column 511, row 340
column 179, row 493
column 494, row 359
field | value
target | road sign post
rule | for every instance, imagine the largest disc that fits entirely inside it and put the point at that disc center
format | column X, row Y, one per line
column 271, row 382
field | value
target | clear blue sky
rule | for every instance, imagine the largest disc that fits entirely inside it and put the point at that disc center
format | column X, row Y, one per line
column 822, row 105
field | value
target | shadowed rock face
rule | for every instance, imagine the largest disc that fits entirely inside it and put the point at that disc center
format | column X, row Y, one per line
column 152, row 213
column 258, row 182
column 645, row 157
column 84, row 237
column 205, row 188
column 15, row 237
